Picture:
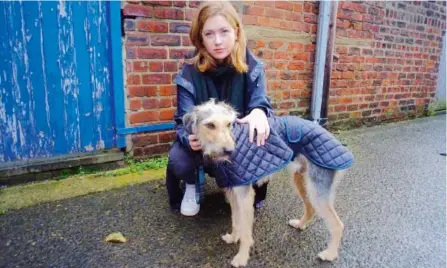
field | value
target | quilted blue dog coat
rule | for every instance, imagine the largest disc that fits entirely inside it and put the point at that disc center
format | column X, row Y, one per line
column 289, row 137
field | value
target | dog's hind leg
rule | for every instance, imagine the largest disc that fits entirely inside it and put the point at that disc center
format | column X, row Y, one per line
column 309, row 211
column 321, row 189
column 327, row 212
column 299, row 181
column 234, row 236
column 244, row 197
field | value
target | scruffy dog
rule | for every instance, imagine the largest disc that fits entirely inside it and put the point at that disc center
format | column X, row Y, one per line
column 213, row 123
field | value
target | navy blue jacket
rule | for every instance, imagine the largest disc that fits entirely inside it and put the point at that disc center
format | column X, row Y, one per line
column 256, row 86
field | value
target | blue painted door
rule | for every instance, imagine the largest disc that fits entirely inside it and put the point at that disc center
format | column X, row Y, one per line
column 55, row 79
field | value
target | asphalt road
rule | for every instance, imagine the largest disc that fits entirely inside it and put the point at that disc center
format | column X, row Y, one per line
column 392, row 203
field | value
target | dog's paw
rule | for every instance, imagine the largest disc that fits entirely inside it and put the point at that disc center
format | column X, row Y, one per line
column 297, row 224
column 328, row 255
column 240, row 260
column 230, row 239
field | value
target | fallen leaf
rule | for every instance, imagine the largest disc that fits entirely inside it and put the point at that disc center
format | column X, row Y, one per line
column 116, row 238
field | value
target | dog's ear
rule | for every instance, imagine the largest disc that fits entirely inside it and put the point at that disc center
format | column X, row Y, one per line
column 230, row 110
column 189, row 121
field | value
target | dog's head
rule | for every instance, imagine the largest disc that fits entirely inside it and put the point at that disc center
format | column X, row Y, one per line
column 212, row 122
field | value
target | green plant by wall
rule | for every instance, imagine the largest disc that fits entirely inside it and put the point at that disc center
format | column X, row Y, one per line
column 131, row 167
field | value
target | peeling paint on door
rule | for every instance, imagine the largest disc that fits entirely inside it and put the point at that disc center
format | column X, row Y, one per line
column 55, row 86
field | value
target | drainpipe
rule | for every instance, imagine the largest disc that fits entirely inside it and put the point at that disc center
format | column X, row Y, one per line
column 328, row 65
column 324, row 18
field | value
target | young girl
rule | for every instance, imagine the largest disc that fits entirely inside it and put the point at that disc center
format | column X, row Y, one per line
column 223, row 69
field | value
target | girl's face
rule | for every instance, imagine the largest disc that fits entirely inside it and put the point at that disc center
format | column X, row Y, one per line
column 218, row 37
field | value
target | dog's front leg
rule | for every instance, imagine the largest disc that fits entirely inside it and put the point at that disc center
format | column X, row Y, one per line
column 234, row 236
column 244, row 196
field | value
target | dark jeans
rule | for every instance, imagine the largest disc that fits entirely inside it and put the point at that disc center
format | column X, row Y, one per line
column 182, row 166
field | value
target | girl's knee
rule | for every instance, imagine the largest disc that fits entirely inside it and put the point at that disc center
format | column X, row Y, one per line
column 180, row 162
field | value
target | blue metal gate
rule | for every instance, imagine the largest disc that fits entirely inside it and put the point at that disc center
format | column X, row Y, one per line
column 56, row 87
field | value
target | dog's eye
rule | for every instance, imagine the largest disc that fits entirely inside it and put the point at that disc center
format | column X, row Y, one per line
column 229, row 125
column 210, row 126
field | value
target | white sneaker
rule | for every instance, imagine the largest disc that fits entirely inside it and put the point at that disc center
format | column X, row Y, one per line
column 189, row 206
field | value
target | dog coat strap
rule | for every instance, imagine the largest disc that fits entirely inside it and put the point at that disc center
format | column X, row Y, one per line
column 200, row 182
column 293, row 131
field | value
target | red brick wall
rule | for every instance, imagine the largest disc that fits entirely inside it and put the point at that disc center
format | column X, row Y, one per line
column 289, row 62
column 386, row 57
column 156, row 39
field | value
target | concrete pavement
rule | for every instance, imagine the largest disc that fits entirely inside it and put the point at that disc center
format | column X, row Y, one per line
column 392, row 203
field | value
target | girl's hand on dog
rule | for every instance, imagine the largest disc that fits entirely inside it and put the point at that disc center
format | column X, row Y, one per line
column 194, row 143
column 257, row 120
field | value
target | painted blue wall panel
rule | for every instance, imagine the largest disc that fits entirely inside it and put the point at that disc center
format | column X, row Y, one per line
column 52, row 61
column 19, row 89
column 115, row 54
column 98, row 66
column 68, row 75
column 55, row 73
column 86, row 116
column 39, row 104
column 16, row 79
column 103, row 70
column 92, row 39
column 7, row 117
column 26, row 124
